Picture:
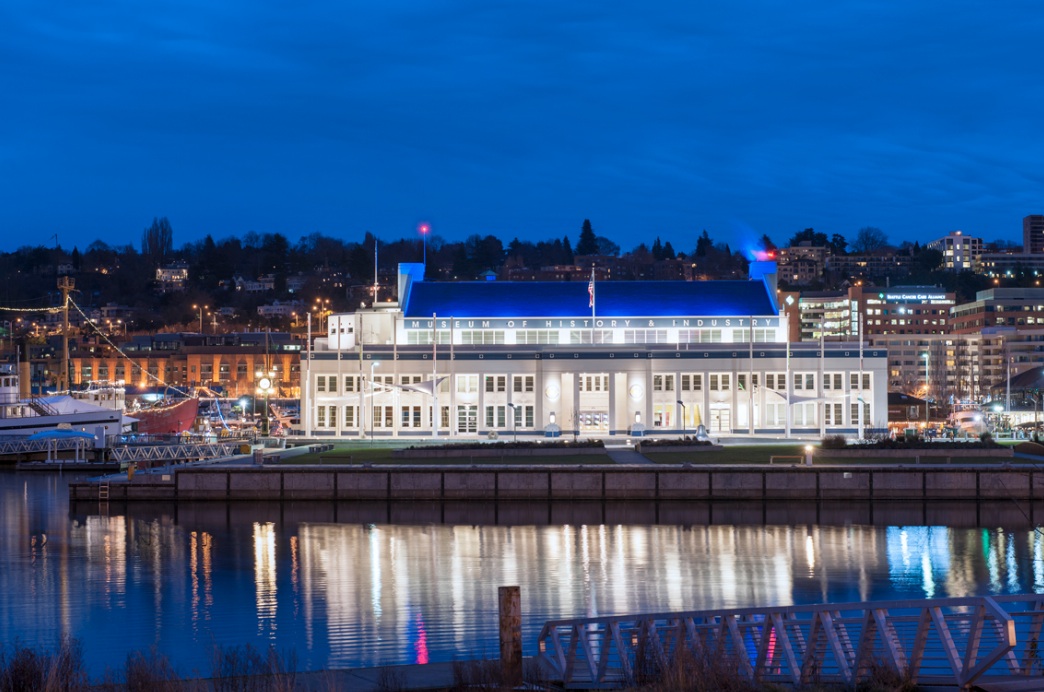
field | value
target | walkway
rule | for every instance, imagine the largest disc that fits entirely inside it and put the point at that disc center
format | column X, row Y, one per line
column 625, row 454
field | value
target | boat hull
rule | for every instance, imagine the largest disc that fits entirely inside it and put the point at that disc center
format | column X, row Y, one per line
column 173, row 419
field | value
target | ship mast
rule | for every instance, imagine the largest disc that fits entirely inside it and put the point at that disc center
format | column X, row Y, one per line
column 66, row 284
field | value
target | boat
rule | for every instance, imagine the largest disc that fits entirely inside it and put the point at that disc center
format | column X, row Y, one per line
column 170, row 418
column 27, row 416
column 164, row 417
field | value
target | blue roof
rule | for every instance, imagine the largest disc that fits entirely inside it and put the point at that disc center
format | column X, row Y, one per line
column 570, row 299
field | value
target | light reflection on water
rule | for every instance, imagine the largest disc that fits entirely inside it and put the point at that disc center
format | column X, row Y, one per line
column 346, row 586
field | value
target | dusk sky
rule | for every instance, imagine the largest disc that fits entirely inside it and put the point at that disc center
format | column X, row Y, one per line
column 519, row 119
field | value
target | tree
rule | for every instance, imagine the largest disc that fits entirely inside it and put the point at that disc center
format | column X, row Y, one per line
column 869, row 239
column 157, row 241
column 607, row 247
column 704, row 244
column 838, row 244
column 668, row 251
column 657, row 249
column 588, row 242
column 766, row 244
column 810, row 236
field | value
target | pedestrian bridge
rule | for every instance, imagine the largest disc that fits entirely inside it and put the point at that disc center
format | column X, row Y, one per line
column 956, row 642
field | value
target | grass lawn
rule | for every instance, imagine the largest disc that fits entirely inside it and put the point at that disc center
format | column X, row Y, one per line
column 361, row 454
column 760, row 454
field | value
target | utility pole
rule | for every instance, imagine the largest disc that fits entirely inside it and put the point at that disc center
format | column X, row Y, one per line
column 66, row 284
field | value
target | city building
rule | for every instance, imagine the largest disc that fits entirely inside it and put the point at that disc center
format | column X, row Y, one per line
column 228, row 363
column 1033, row 234
column 496, row 358
column 836, row 315
column 802, row 264
column 1020, row 308
column 960, row 252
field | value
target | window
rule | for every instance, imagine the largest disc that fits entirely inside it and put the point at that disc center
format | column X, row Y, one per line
column 496, row 416
column 663, row 383
column 691, row 383
column 536, row 336
column 866, row 413
column 349, row 416
column 832, row 380
column 832, row 414
column 320, row 383
column 496, row 383
column 741, row 381
column 854, row 379
column 349, row 383
column 332, row 384
column 522, row 383
column 593, row 383
column 320, row 416
column 804, row 414
column 467, row 384
column 804, row 380
column 476, row 336
column 411, row 416
column 383, row 416
column 775, row 414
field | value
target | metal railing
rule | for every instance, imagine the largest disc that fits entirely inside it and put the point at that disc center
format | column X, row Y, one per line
column 179, row 452
column 953, row 641
column 10, row 446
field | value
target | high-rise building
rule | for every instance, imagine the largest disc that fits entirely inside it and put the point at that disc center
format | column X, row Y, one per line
column 959, row 251
column 1033, row 233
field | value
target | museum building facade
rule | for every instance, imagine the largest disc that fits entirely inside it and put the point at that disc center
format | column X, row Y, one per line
column 546, row 358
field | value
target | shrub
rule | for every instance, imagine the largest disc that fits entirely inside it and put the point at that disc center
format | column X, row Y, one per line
column 834, row 442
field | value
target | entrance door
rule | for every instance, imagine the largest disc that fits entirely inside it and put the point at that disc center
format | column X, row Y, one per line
column 594, row 422
column 721, row 420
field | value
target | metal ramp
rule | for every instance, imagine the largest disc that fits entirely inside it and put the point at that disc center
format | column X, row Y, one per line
column 176, row 452
column 958, row 642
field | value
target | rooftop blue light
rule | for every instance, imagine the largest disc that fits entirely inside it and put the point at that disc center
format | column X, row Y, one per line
column 505, row 299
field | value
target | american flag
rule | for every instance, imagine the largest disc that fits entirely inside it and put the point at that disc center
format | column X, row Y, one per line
column 590, row 293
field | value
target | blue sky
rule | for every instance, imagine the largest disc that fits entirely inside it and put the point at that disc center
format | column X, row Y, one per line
column 519, row 118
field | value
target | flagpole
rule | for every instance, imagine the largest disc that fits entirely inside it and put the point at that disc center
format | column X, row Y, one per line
column 591, row 292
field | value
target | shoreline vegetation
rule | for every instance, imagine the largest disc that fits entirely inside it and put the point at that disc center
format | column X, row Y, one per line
column 248, row 669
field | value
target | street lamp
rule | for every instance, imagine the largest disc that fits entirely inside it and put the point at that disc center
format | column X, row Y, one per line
column 266, row 386
column 373, row 397
column 926, row 390
column 201, row 308
column 682, row 404
column 514, row 424
column 323, row 307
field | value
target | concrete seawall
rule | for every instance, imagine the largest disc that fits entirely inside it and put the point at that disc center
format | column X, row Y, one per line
column 609, row 482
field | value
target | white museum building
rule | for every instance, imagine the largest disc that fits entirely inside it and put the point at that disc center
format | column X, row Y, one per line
column 609, row 358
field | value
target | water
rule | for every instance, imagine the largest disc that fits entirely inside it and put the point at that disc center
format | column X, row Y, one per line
column 357, row 584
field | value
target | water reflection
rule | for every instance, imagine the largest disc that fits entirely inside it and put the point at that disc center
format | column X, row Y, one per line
column 366, row 584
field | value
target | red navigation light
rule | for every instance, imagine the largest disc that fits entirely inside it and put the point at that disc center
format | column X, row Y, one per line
column 423, row 228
